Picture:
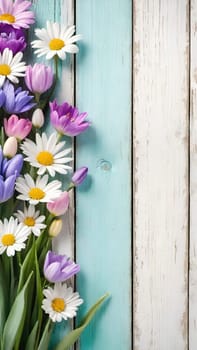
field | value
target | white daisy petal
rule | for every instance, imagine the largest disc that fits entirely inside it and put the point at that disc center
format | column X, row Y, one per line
column 39, row 191
column 31, row 220
column 46, row 154
column 12, row 236
column 56, row 39
column 11, row 66
column 71, row 48
column 60, row 302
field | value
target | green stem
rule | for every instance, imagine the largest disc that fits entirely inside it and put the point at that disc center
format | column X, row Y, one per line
column 11, row 279
column 37, row 97
column 70, row 187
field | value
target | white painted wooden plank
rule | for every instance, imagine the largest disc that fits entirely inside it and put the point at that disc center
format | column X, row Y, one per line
column 64, row 13
column 61, row 11
column 161, row 57
column 193, row 183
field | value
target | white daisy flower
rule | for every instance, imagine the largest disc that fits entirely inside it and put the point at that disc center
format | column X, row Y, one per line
column 60, row 302
column 56, row 39
column 12, row 236
column 39, row 190
column 11, row 66
column 47, row 154
column 31, row 219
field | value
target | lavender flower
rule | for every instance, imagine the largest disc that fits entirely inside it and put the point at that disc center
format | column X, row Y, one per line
column 67, row 120
column 16, row 101
column 9, row 171
column 58, row 268
column 11, row 38
column 79, row 175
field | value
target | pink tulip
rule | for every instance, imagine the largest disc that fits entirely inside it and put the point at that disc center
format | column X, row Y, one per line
column 60, row 205
column 17, row 127
column 39, row 78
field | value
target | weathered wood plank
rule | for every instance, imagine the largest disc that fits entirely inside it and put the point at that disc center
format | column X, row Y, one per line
column 103, row 243
column 161, row 55
column 193, row 183
column 61, row 11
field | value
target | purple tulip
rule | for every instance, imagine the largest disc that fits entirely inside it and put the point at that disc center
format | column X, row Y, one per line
column 9, row 170
column 79, row 175
column 13, row 166
column 11, row 38
column 59, row 268
column 39, row 78
column 67, row 120
column 2, row 98
column 16, row 101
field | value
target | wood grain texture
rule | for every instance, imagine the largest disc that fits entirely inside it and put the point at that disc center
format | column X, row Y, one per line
column 103, row 204
column 193, row 183
column 161, row 55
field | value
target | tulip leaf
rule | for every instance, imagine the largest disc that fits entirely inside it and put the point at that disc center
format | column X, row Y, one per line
column 27, row 267
column 31, row 341
column 38, row 285
column 73, row 336
column 16, row 318
column 44, row 342
column 3, row 299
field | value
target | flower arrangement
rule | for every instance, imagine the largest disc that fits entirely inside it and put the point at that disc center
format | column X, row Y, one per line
column 35, row 282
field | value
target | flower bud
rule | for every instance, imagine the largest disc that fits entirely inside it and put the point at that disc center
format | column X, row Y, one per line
column 55, row 228
column 79, row 175
column 10, row 147
column 38, row 118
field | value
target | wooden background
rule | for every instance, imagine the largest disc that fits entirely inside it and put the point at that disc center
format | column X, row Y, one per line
column 136, row 75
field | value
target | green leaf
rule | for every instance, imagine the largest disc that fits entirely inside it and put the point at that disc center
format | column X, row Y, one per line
column 3, row 298
column 26, row 268
column 44, row 342
column 38, row 285
column 15, row 321
column 31, row 341
column 72, row 337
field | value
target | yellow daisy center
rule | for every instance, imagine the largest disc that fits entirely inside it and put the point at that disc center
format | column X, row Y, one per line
column 29, row 221
column 45, row 158
column 36, row 193
column 8, row 239
column 56, row 44
column 5, row 69
column 58, row 304
column 7, row 17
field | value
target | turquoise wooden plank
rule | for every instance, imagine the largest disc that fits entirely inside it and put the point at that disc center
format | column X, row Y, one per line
column 103, row 204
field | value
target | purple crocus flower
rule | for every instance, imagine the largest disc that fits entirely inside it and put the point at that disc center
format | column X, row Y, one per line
column 12, row 166
column 16, row 101
column 67, row 120
column 11, row 38
column 79, row 175
column 2, row 98
column 59, row 268
column 9, row 171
